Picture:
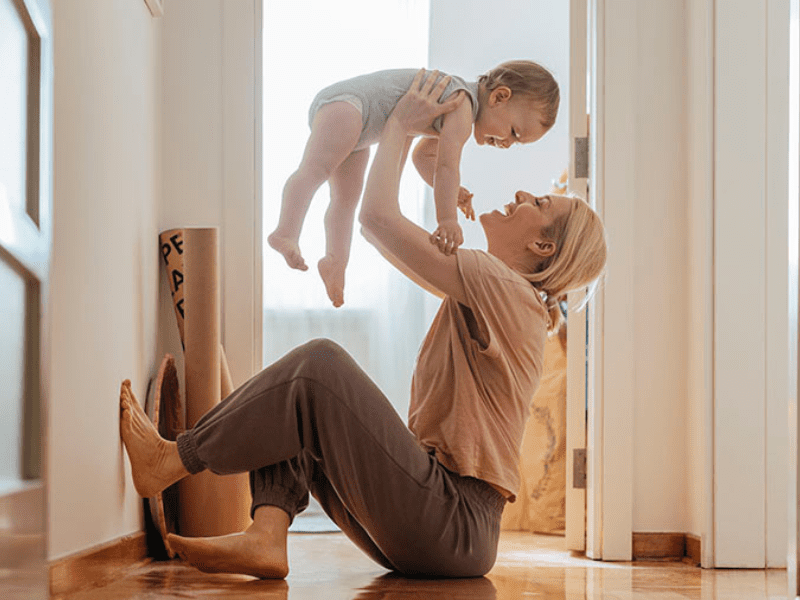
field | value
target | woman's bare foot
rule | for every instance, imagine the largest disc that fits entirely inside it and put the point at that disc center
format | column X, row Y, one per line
column 155, row 463
column 290, row 250
column 332, row 273
column 259, row 551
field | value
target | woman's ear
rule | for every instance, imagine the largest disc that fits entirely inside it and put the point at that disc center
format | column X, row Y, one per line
column 499, row 95
column 543, row 248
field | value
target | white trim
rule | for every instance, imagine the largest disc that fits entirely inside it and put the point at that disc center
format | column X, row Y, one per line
column 707, row 536
column 241, row 206
column 594, row 436
column 700, row 171
column 739, row 279
column 575, row 529
column 614, row 119
column 777, row 275
column 258, row 208
column 793, row 489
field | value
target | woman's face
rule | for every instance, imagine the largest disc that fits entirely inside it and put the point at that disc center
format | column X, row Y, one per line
column 519, row 227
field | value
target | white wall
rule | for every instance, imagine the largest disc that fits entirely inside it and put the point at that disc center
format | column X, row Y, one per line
column 192, row 137
column 209, row 144
column 105, row 260
column 751, row 342
column 120, row 95
column 660, row 270
column 540, row 31
column 710, row 281
column 640, row 178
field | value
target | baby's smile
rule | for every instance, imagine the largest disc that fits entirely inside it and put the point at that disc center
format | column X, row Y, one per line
column 495, row 141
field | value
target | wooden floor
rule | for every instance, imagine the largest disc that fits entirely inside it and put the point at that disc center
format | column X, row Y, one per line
column 329, row 567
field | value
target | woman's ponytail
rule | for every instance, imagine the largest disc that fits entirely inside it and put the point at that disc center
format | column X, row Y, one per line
column 579, row 260
column 554, row 313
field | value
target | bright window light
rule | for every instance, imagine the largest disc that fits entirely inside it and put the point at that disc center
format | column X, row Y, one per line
column 307, row 46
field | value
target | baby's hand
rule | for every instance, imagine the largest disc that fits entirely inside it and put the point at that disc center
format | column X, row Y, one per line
column 465, row 203
column 447, row 236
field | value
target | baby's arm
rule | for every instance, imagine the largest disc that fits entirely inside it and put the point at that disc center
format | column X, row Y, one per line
column 456, row 129
column 424, row 158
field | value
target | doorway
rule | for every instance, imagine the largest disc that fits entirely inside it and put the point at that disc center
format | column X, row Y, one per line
column 422, row 34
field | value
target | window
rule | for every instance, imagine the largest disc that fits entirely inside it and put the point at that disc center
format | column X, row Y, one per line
column 309, row 45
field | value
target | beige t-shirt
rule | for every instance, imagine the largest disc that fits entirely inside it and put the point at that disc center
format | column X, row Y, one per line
column 477, row 371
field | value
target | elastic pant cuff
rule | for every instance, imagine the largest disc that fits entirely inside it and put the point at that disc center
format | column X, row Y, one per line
column 278, row 496
column 187, row 450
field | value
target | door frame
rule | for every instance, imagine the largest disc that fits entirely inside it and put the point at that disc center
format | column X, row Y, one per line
column 241, row 231
column 577, row 389
column 793, row 483
column 26, row 242
column 610, row 427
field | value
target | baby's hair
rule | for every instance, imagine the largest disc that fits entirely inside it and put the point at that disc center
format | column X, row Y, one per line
column 529, row 79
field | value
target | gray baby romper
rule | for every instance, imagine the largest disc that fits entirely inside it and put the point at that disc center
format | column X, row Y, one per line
column 378, row 93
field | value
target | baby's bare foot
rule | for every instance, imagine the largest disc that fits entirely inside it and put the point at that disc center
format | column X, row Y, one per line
column 290, row 250
column 248, row 553
column 332, row 273
column 155, row 463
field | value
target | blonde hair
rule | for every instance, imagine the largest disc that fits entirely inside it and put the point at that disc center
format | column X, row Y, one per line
column 579, row 260
column 528, row 79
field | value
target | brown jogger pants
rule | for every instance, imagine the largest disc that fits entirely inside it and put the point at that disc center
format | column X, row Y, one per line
column 314, row 422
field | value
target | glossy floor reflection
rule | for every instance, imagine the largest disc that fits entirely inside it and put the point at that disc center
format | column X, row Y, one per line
column 329, row 567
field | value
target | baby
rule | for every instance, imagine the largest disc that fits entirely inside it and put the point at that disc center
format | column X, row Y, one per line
column 514, row 103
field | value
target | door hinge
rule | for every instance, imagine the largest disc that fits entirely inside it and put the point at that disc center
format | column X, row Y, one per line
column 579, row 468
column 581, row 157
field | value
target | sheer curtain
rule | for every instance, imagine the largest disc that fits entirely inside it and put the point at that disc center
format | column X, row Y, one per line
column 308, row 45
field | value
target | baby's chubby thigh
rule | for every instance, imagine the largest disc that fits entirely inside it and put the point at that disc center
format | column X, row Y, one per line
column 336, row 127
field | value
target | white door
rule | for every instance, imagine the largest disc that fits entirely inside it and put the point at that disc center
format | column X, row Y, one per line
column 25, row 240
column 793, row 558
column 577, row 342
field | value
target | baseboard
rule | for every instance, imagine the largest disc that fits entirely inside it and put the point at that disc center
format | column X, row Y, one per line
column 97, row 566
column 666, row 547
column 693, row 549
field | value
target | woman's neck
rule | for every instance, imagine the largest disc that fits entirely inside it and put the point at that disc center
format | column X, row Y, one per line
column 522, row 263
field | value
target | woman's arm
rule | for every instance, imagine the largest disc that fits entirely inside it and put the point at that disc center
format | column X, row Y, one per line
column 400, row 266
column 380, row 214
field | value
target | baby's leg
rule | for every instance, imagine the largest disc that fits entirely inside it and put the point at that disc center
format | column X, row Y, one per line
column 335, row 131
column 346, row 183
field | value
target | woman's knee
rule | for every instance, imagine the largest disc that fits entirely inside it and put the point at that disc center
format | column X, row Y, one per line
column 440, row 565
column 323, row 347
column 325, row 355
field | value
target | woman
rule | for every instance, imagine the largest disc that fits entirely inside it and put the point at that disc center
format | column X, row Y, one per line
column 423, row 500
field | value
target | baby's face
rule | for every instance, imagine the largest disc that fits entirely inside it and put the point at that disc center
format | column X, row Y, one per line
column 502, row 123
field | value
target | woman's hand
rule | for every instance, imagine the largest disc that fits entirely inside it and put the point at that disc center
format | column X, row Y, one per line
column 420, row 105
